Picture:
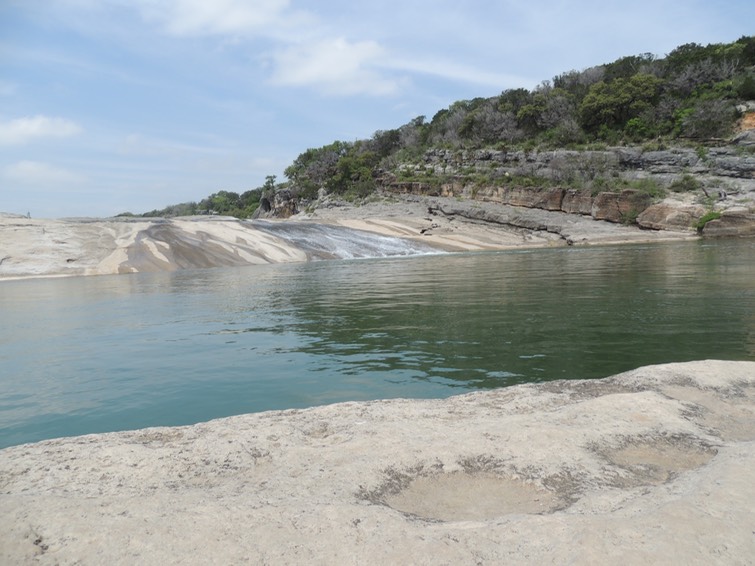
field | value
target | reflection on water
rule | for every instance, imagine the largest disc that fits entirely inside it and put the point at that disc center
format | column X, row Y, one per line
column 111, row 353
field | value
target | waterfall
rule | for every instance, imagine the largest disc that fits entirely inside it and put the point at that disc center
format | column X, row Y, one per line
column 323, row 241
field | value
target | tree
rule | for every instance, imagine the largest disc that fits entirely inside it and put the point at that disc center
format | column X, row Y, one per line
column 612, row 104
column 486, row 124
column 385, row 142
column 313, row 168
column 353, row 173
column 627, row 67
column 578, row 83
column 708, row 119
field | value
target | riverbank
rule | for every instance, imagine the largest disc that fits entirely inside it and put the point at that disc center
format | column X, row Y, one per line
column 651, row 466
column 468, row 225
column 74, row 247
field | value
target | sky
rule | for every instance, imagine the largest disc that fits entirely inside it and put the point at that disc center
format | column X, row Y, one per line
column 111, row 106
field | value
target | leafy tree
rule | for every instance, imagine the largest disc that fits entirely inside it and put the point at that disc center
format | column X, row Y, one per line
column 487, row 124
column 313, row 168
column 353, row 172
column 748, row 50
column 708, row 119
column 611, row 105
column 746, row 87
column 385, row 142
column 627, row 67
column 413, row 136
column 578, row 83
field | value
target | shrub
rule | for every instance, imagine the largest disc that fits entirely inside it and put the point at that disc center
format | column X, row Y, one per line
column 686, row 184
column 712, row 215
column 648, row 186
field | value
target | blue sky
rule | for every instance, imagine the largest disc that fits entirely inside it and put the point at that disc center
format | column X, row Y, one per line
column 109, row 106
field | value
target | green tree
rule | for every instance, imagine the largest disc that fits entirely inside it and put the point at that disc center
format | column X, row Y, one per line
column 313, row 168
column 611, row 105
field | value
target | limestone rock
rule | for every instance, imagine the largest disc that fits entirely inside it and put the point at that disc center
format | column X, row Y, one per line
column 734, row 166
column 619, row 207
column 671, row 216
column 577, row 202
column 733, row 222
column 546, row 199
column 653, row 466
column 745, row 138
column 283, row 205
column 668, row 161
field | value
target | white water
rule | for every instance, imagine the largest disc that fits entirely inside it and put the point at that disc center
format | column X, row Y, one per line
column 322, row 241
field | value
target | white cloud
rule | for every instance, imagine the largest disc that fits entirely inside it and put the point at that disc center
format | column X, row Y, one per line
column 334, row 66
column 23, row 130
column 38, row 173
column 216, row 17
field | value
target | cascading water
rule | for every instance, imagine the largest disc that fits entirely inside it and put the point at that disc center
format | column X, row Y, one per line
column 322, row 241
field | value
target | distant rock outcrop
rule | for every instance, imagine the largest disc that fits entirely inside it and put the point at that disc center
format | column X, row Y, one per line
column 284, row 204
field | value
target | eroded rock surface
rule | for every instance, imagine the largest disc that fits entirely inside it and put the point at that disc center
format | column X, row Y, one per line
column 656, row 465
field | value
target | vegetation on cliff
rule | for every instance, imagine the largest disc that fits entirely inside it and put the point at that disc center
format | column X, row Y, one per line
column 691, row 96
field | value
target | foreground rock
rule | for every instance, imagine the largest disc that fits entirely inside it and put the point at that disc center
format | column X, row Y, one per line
column 656, row 465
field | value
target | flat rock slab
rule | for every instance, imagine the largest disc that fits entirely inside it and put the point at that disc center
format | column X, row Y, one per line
column 656, row 465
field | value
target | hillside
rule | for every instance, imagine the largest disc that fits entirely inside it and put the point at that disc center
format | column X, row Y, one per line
column 611, row 141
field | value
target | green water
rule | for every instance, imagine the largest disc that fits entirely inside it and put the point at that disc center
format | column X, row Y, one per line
column 112, row 353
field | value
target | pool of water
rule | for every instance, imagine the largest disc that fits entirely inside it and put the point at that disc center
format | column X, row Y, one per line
column 98, row 354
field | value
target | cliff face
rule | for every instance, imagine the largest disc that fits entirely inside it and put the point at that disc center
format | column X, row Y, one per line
column 700, row 180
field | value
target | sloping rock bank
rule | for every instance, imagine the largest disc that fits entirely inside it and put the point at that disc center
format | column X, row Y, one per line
column 49, row 248
column 656, row 465
column 573, row 229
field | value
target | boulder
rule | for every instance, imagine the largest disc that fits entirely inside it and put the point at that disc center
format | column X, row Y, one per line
column 669, row 216
column 546, row 199
column 577, row 202
column 733, row 222
column 283, row 205
column 746, row 138
column 620, row 207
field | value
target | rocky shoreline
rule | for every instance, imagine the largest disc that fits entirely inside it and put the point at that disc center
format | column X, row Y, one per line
column 73, row 247
column 651, row 466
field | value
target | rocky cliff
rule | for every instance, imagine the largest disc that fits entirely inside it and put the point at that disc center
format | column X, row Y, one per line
column 697, row 181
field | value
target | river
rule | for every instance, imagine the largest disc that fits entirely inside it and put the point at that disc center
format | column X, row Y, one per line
column 96, row 354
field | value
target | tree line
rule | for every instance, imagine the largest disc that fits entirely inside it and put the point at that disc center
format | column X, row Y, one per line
column 691, row 94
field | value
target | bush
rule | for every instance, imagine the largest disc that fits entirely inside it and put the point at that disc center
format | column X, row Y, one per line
column 746, row 88
column 686, row 184
column 648, row 186
column 712, row 215
column 707, row 119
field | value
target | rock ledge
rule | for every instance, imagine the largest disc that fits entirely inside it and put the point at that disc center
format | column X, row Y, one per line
column 656, row 465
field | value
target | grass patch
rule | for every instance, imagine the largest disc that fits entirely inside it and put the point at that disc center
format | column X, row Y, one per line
column 707, row 217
